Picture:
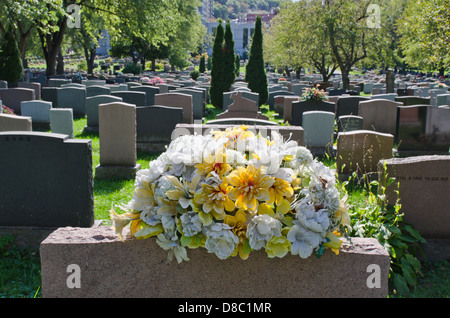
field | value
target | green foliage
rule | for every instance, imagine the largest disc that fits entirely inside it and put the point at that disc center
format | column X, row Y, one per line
column 11, row 68
column 237, row 65
column 217, row 69
column 372, row 216
column 20, row 270
column 229, row 58
column 132, row 68
column 209, row 63
column 202, row 64
column 194, row 74
column 255, row 73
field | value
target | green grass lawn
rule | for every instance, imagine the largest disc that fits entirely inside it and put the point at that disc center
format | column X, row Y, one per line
column 20, row 268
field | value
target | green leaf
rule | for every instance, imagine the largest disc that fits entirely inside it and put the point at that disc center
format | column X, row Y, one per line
column 414, row 233
column 400, row 284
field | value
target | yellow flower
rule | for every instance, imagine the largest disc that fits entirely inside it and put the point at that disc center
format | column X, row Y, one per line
column 278, row 247
column 238, row 223
column 234, row 135
column 214, row 200
column 333, row 242
column 217, row 164
column 120, row 221
column 280, row 190
column 250, row 185
column 184, row 191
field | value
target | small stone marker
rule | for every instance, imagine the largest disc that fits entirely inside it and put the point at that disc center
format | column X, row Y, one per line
column 117, row 132
column 61, row 121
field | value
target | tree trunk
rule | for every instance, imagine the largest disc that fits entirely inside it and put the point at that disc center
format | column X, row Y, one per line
column 345, row 79
column 89, row 55
column 60, row 63
column 51, row 44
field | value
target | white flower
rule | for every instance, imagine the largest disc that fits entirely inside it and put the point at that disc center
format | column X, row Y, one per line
column 309, row 229
column 220, row 240
column 303, row 241
column 190, row 224
column 261, row 229
column 155, row 170
column 169, row 226
column 151, row 217
column 174, row 248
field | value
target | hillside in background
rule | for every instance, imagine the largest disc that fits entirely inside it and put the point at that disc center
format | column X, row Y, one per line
column 238, row 9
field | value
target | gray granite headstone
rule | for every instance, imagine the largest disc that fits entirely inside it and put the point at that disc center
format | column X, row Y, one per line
column 74, row 98
column 154, row 126
column 61, row 121
column 12, row 97
column 318, row 129
column 38, row 110
column 54, row 189
column 92, row 109
column 350, row 123
column 96, row 90
column 298, row 108
column 150, row 92
column 132, row 97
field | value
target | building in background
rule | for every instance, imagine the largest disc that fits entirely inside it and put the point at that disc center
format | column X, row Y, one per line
column 206, row 11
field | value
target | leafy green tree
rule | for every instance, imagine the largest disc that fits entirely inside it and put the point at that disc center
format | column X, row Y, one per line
column 425, row 34
column 217, row 69
column 202, row 64
column 229, row 57
column 237, row 65
column 11, row 68
column 255, row 73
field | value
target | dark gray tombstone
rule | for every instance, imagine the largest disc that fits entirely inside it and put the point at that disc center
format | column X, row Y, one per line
column 150, row 92
column 132, row 97
column 390, row 82
column 277, row 93
column 418, row 132
column 348, row 105
column 412, row 100
column 72, row 97
column 96, row 90
column 60, row 191
column 349, row 123
column 92, row 109
column 13, row 97
column 154, row 126
column 50, row 94
column 298, row 108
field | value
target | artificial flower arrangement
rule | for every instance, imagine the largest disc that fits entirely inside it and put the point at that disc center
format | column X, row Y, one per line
column 157, row 80
column 314, row 94
column 6, row 110
column 233, row 192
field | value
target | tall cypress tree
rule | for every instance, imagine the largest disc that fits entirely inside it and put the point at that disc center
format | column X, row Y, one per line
column 202, row 65
column 229, row 59
column 217, row 69
column 255, row 73
column 237, row 68
column 11, row 68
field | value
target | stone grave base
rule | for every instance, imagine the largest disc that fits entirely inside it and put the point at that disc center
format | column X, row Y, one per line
column 88, row 129
column 31, row 237
column 109, row 268
column 152, row 147
column 122, row 172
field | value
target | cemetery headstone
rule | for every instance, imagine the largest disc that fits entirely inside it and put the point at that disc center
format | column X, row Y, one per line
column 242, row 108
column 150, row 92
column 298, row 108
column 96, row 90
column 349, row 105
column 92, row 109
column 360, row 151
column 12, row 97
column 179, row 100
column 413, row 100
column 379, row 115
column 60, row 191
column 132, row 97
column 38, row 110
column 318, row 130
column 50, row 94
column 61, row 121
column 117, row 132
column 74, row 98
column 277, row 93
column 154, row 126
column 15, row 123
column 350, row 123
column 35, row 86
column 423, row 129
column 424, row 183
column 197, row 101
